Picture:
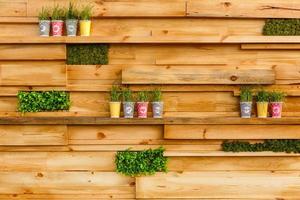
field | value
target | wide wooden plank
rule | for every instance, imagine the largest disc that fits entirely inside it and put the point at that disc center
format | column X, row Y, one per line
column 104, row 183
column 40, row 75
column 152, row 8
column 238, row 8
column 256, row 185
column 195, row 75
column 33, row 135
column 270, row 46
column 231, row 132
column 195, row 153
column 14, row 8
column 67, row 197
column 32, row 52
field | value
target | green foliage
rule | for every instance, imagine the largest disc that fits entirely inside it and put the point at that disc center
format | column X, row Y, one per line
column 87, row 54
column 156, row 95
column 43, row 101
column 72, row 12
column 277, row 96
column 282, row 27
column 262, row 96
column 147, row 162
column 246, row 94
column 127, row 95
column 58, row 13
column 44, row 14
column 143, row 96
column 115, row 93
column 288, row 146
column 86, row 12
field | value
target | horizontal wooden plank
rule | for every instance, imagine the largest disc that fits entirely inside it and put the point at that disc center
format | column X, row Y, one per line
column 33, row 135
column 32, row 52
column 18, row 20
column 44, row 75
column 13, row 8
column 195, row 75
column 217, row 185
column 77, row 120
column 152, row 8
column 226, row 163
column 104, row 183
column 231, row 132
column 237, row 8
column 66, row 197
column 171, row 153
column 270, row 46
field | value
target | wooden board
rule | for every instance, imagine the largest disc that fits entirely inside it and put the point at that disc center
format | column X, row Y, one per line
column 13, row 8
column 238, row 8
column 228, row 184
column 33, row 135
column 231, row 132
column 44, row 75
column 195, row 75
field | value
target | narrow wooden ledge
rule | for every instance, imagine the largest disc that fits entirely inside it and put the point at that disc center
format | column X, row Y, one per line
column 153, row 39
column 227, row 154
column 149, row 121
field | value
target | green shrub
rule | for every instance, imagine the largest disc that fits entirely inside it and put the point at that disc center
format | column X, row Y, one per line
column 156, row 95
column 262, row 96
column 139, row 163
column 115, row 93
column 277, row 96
column 87, row 54
column 282, row 27
column 127, row 95
column 86, row 12
column 44, row 14
column 43, row 101
column 288, row 146
column 142, row 96
column 246, row 94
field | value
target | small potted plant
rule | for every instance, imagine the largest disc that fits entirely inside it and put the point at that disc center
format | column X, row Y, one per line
column 44, row 22
column 85, row 20
column 115, row 104
column 276, row 100
column 57, row 21
column 72, row 15
column 142, row 104
column 262, row 103
column 157, row 104
column 246, row 102
column 128, row 104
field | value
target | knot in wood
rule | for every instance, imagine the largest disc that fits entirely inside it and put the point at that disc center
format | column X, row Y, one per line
column 233, row 78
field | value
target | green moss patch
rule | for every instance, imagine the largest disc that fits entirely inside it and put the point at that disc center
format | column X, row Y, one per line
column 283, row 27
column 139, row 163
column 87, row 54
column 43, row 101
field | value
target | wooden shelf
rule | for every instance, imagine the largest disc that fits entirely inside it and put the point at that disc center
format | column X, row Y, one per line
column 186, row 121
column 226, row 154
column 159, row 40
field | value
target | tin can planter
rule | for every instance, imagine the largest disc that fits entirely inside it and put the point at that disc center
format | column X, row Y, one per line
column 157, row 109
column 246, row 109
column 262, row 109
column 115, row 108
column 71, row 25
column 85, row 27
column 276, row 109
column 142, row 109
column 44, row 26
column 57, row 27
column 128, row 109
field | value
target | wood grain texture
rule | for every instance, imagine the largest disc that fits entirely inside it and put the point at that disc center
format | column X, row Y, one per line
column 13, row 8
column 230, row 185
column 195, row 75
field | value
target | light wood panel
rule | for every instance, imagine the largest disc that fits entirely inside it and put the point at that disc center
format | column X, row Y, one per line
column 33, row 135
column 44, row 75
column 238, row 8
column 201, row 153
column 229, row 184
column 231, row 132
column 195, row 75
column 13, row 8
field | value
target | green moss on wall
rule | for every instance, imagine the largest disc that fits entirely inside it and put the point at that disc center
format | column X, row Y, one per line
column 283, row 27
column 87, row 54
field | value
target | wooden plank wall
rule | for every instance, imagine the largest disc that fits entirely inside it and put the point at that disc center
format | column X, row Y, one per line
column 63, row 162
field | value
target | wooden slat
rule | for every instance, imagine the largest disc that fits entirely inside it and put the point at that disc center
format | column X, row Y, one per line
column 13, row 8
column 32, row 52
column 41, row 75
column 154, row 8
column 105, row 183
column 67, row 197
column 33, row 135
column 195, row 75
column 217, row 185
column 270, row 46
column 19, row 20
column 231, row 132
column 238, row 8
column 171, row 153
